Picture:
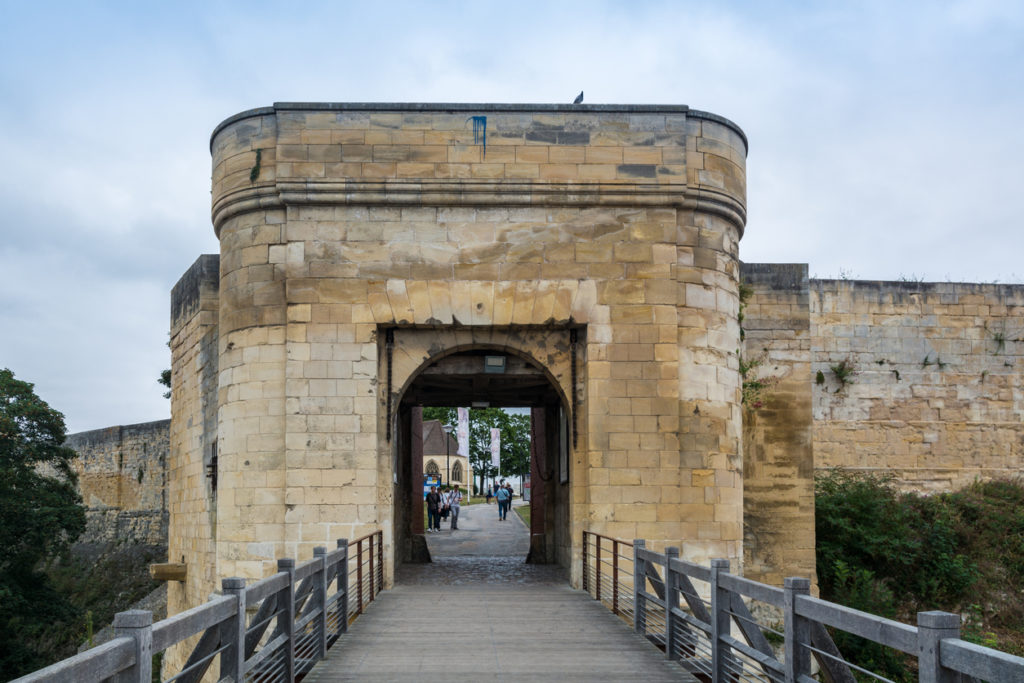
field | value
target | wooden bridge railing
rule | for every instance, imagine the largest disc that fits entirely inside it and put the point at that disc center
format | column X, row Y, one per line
column 309, row 606
column 689, row 610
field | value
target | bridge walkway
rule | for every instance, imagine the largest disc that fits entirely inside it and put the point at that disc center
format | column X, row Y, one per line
column 478, row 613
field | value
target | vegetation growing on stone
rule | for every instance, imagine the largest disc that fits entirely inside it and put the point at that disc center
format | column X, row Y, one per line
column 895, row 554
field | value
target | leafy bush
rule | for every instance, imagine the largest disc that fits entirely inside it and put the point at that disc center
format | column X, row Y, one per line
column 907, row 540
column 894, row 554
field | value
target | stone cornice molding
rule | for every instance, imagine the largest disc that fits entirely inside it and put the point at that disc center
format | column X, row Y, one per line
column 473, row 192
column 463, row 107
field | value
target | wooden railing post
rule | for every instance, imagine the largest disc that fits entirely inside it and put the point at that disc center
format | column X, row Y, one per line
column 797, row 630
column 287, row 625
column 719, row 618
column 932, row 627
column 671, row 602
column 615, row 577
column 343, row 587
column 232, row 632
column 597, row 567
column 136, row 624
column 639, row 583
column 320, row 600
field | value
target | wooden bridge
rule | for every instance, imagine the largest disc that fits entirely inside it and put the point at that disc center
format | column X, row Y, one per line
column 474, row 615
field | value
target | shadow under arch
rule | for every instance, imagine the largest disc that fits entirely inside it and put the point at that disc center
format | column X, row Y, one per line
column 457, row 374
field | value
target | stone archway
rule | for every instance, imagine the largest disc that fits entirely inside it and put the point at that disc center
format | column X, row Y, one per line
column 453, row 372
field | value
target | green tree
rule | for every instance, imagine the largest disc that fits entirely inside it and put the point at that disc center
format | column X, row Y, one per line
column 41, row 514
column 515, row 439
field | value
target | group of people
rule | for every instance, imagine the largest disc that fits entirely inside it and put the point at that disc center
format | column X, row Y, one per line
column 503, row 493
column 444, row 503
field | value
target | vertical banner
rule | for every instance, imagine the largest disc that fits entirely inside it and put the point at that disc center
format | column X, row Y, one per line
column 462, row 431
column 496, row 448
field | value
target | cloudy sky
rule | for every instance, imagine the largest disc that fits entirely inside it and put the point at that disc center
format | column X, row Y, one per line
column 886, row 138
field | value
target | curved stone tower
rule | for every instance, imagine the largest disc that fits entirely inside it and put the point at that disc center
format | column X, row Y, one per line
column 368, row 249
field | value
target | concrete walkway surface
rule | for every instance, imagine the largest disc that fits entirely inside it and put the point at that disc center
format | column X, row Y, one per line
column 478, row 612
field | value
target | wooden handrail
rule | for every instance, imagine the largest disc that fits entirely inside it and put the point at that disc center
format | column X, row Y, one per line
column 698, row 634
column 297, row 614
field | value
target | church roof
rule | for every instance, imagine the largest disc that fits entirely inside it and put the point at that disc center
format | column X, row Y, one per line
column 433, row 439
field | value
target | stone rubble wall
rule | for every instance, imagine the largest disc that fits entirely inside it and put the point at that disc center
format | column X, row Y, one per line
column 937, row 394
column 122, row 476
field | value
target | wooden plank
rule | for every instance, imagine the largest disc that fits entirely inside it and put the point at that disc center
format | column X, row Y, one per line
column 748, row 627
column 260, row 622
column 199, row 661
column 752, row 589
column 693, row 600
column 190, row 622
column 307, row 569
column 875, row 628
column 96, row 664
column 269, row 586
column 168, row 571
column 694, row 571
column 980, row 662
column 835, row 670
column 651, row 572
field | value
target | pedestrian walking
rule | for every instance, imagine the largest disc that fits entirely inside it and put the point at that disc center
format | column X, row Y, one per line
column 446, row 494
column 454, row 503
column 503, row 502
column 433, row 510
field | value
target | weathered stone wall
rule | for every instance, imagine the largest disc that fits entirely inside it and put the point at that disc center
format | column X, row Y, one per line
column 336, row 221
column 122, row 477
column 193, row 436
column 778, row 461
column 937, row 394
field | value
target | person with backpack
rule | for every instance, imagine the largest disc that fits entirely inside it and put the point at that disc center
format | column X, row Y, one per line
column 504, row 500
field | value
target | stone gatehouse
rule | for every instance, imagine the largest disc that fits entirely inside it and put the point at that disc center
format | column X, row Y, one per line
column 379, row 258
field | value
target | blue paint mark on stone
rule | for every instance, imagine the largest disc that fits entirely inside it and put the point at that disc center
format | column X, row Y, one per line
column 480, row 132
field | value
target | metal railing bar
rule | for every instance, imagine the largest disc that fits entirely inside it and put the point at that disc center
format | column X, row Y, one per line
column 691, row 620
column 846, row 662
column 757, row 656
column 199, row 666
column 266, row 651
column 302, row 621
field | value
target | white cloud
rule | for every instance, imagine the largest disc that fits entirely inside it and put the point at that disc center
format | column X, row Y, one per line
column 884, row 138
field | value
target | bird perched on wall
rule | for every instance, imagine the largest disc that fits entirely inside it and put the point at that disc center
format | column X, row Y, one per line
column 579, row 98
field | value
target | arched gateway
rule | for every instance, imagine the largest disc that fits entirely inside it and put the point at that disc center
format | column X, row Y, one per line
column 373, row 256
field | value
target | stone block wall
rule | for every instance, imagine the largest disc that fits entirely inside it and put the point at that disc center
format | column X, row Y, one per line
column 937, row 394
column 122, row 477
column 778, row 460
column 337, row 221
column 193, row 434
